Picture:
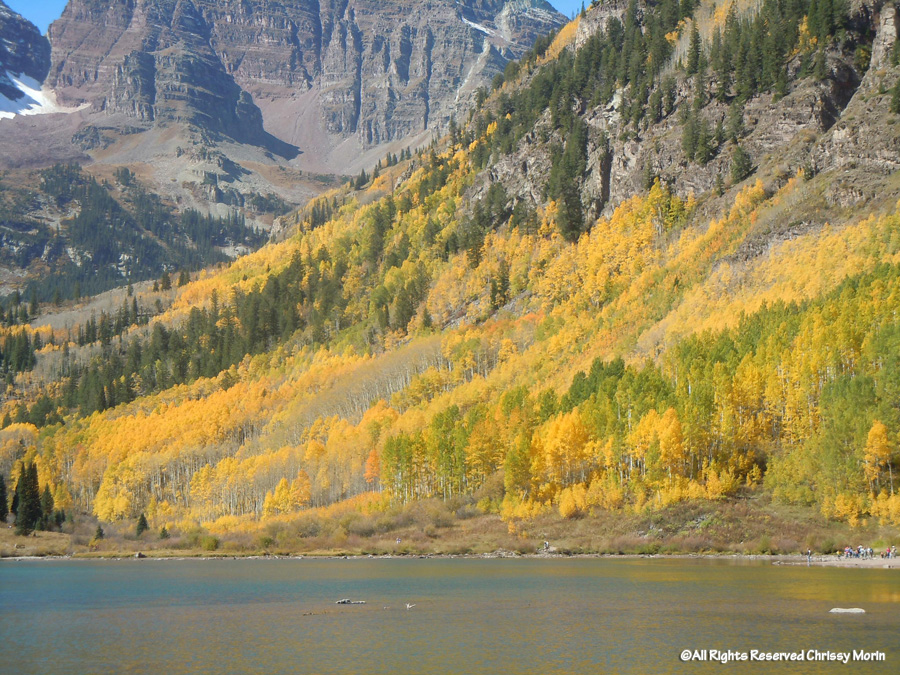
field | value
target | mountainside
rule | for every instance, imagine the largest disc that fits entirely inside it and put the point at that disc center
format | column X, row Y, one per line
column 315, row 74
column 23, row 52
column 658, row 264
column 75, row 236
column 232, row 105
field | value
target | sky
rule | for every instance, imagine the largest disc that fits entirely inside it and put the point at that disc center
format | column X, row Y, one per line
column 43, row 12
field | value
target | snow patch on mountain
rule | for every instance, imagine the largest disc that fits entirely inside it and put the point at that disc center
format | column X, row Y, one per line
column 34, row 100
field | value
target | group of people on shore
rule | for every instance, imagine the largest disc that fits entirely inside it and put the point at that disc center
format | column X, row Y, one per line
column 864, row 553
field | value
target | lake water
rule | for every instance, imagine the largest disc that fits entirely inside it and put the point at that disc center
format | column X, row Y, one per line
column 470, row 616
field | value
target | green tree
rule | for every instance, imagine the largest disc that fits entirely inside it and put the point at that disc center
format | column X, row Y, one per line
column 703, row 151
column 163, row 532
column 47, row 503
column 29, row 500
column 741, row 165
column 142, row 525
column 4, row 504
column 895, row 96
column 693, row 59
column 99, row 533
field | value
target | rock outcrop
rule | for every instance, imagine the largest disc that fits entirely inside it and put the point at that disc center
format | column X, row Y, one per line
column 378, row 71
column 23, row 51
column 150, row 60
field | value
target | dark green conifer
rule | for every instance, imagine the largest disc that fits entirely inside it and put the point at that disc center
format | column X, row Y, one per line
column 693, row 56
column 704, row 151
column 4, row 504
column 895, row 96
column 29, row 500
column 142, row 525
column 47, row 503
column 741, row 165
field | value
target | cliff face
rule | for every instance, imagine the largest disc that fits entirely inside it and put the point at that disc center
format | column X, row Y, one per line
column 379, row 71
column 838, row 122
column 23, row 51
column 150, row 60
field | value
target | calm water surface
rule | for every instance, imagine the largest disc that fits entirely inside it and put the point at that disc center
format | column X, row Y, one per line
column 471, row 616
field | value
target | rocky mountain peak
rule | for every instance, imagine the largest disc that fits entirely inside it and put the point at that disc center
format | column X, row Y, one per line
column 23, row 52
column 316, row 73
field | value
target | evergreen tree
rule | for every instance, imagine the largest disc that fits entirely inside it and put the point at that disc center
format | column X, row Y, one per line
column 693, row 58
column 703, row 151
column 781, row 83
column 163, row 532
column 4, row 504
column 720, row 185
column 29, row 502
column 142, row 525
column 99, row 534
column 735, row 122
column 741, row 165
column 820, row 65
column 47, row 503
column 689, row 133
column 895, row 96
column 165, row 283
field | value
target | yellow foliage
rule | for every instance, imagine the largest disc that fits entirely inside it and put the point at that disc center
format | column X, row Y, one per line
column 572, row 501
column 887, row 508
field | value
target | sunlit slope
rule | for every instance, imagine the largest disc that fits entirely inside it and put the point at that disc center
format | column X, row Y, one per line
column 436, row 333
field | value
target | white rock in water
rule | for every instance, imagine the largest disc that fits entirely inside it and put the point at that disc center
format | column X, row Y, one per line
column 851, row 610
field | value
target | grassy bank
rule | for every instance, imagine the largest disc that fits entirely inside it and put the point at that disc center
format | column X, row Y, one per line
column 750, row 526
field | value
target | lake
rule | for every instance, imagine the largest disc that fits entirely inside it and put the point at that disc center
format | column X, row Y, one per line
column 582, row 615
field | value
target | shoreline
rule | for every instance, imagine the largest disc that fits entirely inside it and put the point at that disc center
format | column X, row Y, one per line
column 778, row 559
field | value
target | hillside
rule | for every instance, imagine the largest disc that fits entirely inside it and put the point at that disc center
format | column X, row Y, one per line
column 67, row 235
column 647, row 270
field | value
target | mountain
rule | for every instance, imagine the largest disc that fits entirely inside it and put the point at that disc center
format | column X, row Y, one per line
column 656, row 268
column 227, row 105
column 24, row 62
column 328, row 79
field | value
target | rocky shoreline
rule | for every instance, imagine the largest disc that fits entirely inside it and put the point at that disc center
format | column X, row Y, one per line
column 790, row 560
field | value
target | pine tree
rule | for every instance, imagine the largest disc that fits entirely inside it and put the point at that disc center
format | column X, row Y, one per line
column 735, row 122
column 689, row 134
column 820, row 65
column 142, row 525
column 781, row 83
column 703, row 151
column 163, row 532
column 47, row 503
column 741, row 165
column 720, row 185
column 895, row 97
column 693, row 59
column 99, row 534
column 29, row 500
column 4, row 504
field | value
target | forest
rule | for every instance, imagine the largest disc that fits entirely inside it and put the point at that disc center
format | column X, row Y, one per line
column 438, row 336
column 118, row 234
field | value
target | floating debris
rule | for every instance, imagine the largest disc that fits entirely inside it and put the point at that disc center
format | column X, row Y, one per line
column 348, row 601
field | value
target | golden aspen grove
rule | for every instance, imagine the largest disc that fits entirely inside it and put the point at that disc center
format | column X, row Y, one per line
column 434, row 335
